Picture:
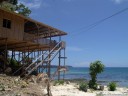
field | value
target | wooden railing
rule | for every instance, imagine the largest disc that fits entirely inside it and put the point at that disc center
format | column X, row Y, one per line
column 40, row 40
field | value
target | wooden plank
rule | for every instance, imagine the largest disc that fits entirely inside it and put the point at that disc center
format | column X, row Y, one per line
column 17, row 26
column 23, row 46
column 62, row 57
column 3, row 39
column 33, row 48
column 12, row 45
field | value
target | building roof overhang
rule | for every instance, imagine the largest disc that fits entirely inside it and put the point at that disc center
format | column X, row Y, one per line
column 32, row 26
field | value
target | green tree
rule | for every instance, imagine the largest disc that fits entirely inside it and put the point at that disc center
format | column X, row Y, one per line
column 12, row 5
column 7, row 5
column 95, row 68
column 14, row 2
column 21, row 9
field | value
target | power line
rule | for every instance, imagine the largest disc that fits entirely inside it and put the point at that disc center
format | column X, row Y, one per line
column 91, row 26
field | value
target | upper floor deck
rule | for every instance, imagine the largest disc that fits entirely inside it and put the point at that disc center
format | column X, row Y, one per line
column 18, row 31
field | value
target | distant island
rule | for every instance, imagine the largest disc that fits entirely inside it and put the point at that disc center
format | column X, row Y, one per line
column 55, row 66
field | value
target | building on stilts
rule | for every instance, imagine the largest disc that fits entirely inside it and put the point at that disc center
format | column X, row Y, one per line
column 28, row 46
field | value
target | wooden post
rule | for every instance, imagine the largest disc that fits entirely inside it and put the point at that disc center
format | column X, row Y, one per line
column 19, row 56
column 28, row 52
column 40, row 68
column 59, row 60
column 42, row 59
column 34, row 55
column 64, row 65
column 23, row 55
column 38, row 59
column 5, row 62
column 22, row 58
column 49, row 65
column 49, row 62
column 12, row 53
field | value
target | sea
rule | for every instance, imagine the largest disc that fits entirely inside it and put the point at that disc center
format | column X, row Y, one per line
column 110, row 74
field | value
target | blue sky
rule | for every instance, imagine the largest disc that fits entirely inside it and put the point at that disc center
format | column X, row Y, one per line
column 107, row 42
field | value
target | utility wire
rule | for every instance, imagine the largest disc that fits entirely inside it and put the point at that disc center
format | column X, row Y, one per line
column 91, row 26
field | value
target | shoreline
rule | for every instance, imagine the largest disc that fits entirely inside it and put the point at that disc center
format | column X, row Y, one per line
column 101, row 82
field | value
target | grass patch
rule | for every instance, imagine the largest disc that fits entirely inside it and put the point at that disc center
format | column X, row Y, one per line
column 60, row 82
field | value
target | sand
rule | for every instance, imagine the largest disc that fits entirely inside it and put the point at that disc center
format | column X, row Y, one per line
column 72, row 90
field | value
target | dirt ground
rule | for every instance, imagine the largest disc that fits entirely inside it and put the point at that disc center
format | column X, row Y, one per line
column 16, row 86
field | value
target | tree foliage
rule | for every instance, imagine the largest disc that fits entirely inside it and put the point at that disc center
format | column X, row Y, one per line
column 7, row 5
column 13, row 5
column 21, row 9
column 14, row 2
column 95, row 68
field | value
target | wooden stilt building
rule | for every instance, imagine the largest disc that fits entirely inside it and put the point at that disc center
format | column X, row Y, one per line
column 25, row 38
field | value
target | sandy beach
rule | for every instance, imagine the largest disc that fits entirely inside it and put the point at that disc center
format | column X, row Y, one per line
column 15, row 86
column 72, row 90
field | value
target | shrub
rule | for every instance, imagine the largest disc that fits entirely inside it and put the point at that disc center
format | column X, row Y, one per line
column 14, row 63
column 55, row 83
column 2, row 87
column 83, row 86
column 24, row 85
column 99, row 94
column 112, row 86
column 60, row 82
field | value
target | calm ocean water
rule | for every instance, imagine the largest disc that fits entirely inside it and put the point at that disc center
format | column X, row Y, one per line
column 120, row 75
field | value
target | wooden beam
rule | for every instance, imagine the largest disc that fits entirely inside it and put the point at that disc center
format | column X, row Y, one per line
column 36, row 47
column 14, row 44
column 3, row 38
column 17, row 43
column 25, row 46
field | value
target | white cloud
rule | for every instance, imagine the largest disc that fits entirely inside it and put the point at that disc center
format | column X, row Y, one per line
column 34, row 4
column 119, row 1
column 74, row 48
